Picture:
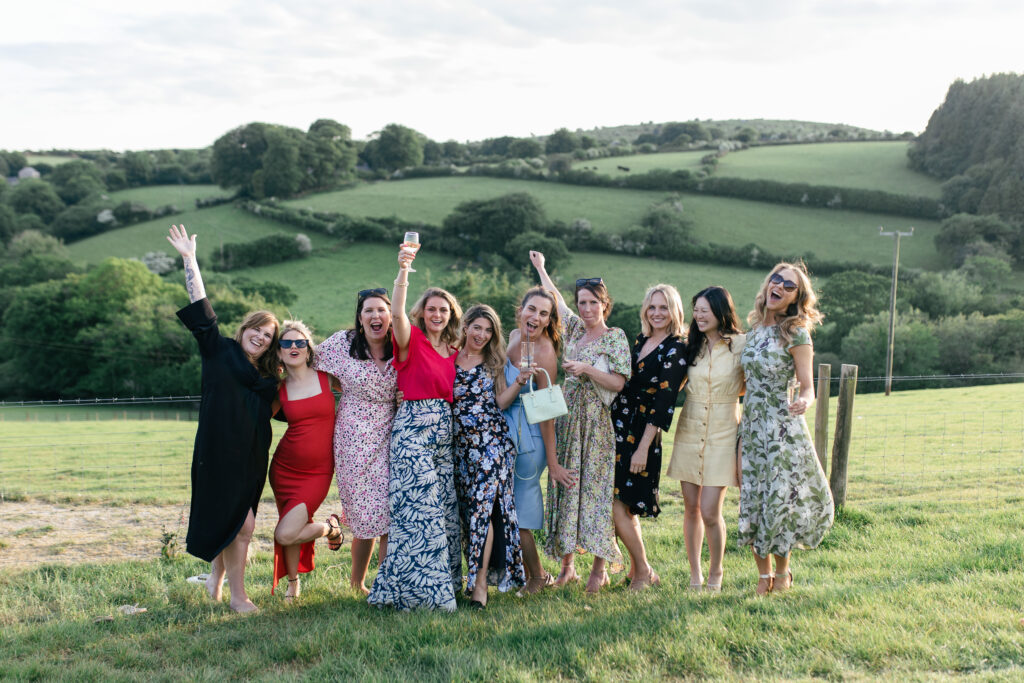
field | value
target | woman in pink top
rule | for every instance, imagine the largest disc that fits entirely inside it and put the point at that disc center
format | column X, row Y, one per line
column 423, row 566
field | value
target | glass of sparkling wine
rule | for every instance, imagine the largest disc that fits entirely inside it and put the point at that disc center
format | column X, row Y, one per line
column 526, row 354
column 411, row 243
column 792, row 390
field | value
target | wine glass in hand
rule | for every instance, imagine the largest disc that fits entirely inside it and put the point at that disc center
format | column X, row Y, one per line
column 411, row 243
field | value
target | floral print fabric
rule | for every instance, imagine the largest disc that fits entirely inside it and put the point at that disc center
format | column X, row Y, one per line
column 649, row 397
column 580, row 519
column 416, row 572
column 484, row 461
column 785, row 501
column 362, row 434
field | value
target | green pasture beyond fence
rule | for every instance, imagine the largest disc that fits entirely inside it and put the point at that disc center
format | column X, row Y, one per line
column 957, row 444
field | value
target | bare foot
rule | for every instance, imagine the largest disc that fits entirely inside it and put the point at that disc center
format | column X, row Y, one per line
column 645, row 580
column 567, row 575
column 596, row 582
column 293, row 590
column 243, row 606
column 360, row 588
column 215, row 587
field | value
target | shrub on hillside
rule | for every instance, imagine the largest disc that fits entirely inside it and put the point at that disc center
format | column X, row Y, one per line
column 264, row 251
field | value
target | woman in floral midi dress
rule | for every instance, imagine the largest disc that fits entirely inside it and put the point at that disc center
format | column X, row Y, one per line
column 785, row 501
column 579, row 518
column 359, row 359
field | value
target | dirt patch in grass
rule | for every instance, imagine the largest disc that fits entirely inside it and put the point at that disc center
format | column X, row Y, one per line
column 35, row 533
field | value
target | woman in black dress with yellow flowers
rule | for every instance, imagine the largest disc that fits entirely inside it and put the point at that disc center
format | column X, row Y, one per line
column 642, row 410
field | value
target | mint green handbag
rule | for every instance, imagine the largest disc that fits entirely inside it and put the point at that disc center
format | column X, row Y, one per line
column 544, row 404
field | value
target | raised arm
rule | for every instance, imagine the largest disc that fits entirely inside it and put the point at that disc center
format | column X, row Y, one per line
column 537, row 259
column 186, row 246
column 401, row 328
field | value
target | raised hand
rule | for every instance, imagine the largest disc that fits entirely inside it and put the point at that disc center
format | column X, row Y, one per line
column 181, row 241
column 537, row 259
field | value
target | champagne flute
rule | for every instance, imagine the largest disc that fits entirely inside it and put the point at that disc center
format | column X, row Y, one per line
column 792, row 390
column 411, row 243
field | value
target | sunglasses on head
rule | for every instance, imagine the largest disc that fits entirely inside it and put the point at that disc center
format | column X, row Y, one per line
column 376, row 291
column 584, row 281
column 787, row 285
column 297, row 343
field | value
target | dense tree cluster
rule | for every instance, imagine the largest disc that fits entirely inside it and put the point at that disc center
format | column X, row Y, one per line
column 974, row 139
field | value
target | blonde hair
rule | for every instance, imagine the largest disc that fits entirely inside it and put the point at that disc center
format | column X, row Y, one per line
column 494, row 351
column 300, row 327
column 450, row 333
column 676, row 312
column 267, row 362
column 803, row 312
column 554, row 328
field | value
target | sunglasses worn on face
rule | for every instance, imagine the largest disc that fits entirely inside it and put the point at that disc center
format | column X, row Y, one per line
column 297, row 343
column 787, row 285
column 584, row 281
column 376, row 291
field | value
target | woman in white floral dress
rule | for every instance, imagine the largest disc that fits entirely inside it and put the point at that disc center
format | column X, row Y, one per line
column 360, row 360
column 597, row 365
column 785, row 501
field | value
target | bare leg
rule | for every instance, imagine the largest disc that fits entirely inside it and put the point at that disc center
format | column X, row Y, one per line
column 764, row 569
column 783, row 577
column 362, row 550
column 531, row 558
column 382, row 549
column 711, row 500
column 291, row 563
column 693, row 531
column 234, row 557
column 568, row 572
column 598, row 576
column 215, row 581
column 627, row 527
column 295, row 528
column 480, row 584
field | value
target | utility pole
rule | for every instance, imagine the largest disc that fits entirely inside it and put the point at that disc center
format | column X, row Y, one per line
column 892, row 301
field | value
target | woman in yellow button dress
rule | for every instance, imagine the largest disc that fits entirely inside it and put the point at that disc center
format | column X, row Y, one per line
column 704, row 452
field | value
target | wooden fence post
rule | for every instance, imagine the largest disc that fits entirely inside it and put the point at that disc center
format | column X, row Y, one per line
column 821, row 415
column 844, row 427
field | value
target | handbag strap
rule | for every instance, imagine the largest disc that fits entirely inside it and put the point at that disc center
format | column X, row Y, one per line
column 545, row 374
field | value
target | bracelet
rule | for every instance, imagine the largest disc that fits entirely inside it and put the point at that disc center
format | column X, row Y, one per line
column 401, row 284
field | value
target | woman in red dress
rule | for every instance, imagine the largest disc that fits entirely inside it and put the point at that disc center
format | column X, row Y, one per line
column 303, row 466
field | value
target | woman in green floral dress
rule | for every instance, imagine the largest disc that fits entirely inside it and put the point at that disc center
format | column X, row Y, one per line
column 597, row 364
column 785, row 501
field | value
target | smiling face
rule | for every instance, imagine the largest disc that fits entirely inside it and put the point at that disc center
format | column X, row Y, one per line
column 591, row 309
column 256, row 340
column 535, row 317
column 658, row 315
column 705, row 318
column 777, row 298
column 478, row 332
column 294, row 357
column 436, row 314
column 375, row 319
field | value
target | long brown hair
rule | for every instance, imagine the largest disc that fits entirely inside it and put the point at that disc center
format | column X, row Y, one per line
column 720, row 302
column 358, row 347
column 494, row 351
column 803, row 312
column 600, row 292
column 450, row 334
column 554, row 328
column 268, row 361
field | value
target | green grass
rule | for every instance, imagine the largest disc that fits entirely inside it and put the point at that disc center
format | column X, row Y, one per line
column 866, row 165
column 834, row 235
column 182, row 196
column 221, row 224
column 34, row 159
column 915, row 584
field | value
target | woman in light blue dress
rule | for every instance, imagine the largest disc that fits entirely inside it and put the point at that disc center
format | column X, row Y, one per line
column 538, row 322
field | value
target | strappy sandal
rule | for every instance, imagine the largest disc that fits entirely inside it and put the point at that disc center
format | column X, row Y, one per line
column 770, row 578
column 541, row 582
column 291, row 598
column 714, row 587
column 778, row 588
column 336, row 537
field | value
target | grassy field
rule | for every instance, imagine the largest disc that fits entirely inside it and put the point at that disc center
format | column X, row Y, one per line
column 912, row 583
column 836, row 235
column 182, row 196
column 34, row 159
column 214, row 226
column 866, row 165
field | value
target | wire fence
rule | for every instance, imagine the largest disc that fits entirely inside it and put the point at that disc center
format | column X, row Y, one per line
column 908, row 447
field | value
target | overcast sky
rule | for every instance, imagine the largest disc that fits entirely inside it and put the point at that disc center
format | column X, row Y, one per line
column 136, row 75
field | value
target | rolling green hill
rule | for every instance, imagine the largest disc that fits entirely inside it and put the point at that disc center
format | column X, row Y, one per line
column 182, row 196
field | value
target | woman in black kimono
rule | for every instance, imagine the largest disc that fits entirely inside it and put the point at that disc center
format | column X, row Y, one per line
column 229, row 463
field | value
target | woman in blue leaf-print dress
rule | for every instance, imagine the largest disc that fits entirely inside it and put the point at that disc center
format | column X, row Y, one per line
column 641, row 411
column 785, row 501
column 485, row 456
